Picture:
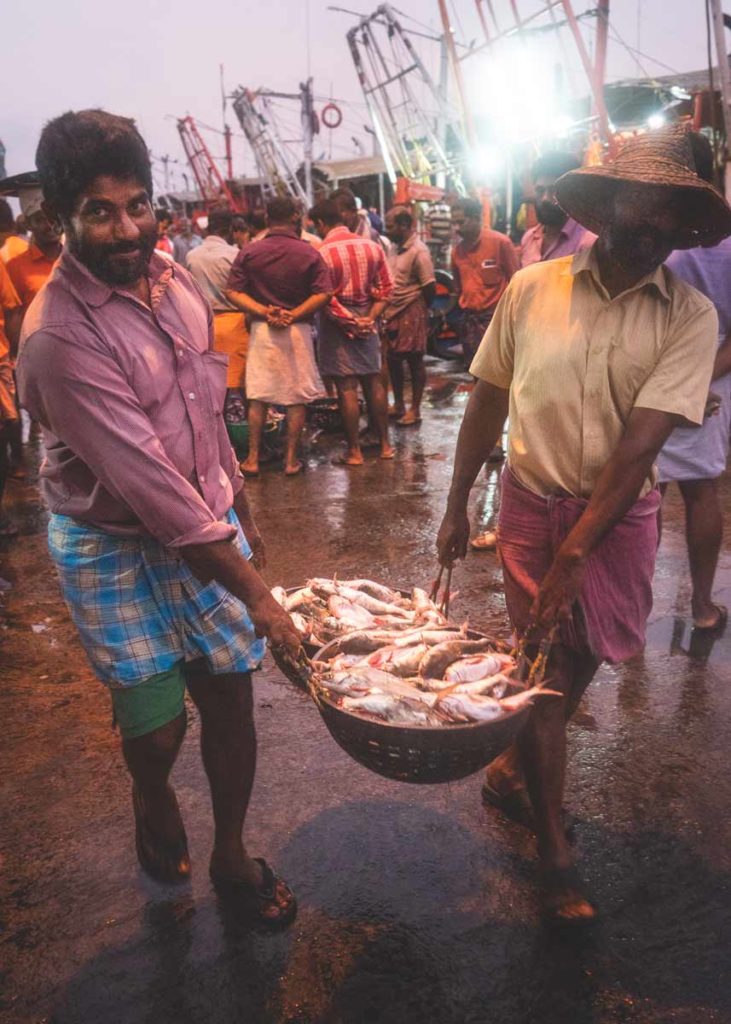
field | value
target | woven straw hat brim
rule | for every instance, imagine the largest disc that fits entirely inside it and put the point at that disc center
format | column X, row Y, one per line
column 587, row 195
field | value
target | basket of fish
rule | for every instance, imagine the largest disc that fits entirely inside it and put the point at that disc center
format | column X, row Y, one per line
column 427, row 705
column 327, row 609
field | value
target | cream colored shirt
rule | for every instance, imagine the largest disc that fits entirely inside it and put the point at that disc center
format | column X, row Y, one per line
column 577, row 362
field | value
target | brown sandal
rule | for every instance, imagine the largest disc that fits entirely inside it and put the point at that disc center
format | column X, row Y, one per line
column 256, row 900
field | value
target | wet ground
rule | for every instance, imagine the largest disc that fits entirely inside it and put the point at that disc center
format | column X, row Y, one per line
column 416, row 904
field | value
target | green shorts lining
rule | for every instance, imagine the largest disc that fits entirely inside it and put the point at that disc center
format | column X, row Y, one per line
column 149, row 705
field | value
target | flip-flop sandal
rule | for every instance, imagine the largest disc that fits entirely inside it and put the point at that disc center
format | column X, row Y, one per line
column 340, row 460
column 718, row 626
column 387, row 458
column 516, row 807
column 403, row 422
column 249, row 473
column 160, row 858
column 256, row 900
column 295, row 472
column 562, row 889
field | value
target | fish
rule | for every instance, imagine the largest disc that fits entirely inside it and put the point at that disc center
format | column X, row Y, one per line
column 438, row 658
column 401, row 661
column 349, row 614
column 300, row 600
column 372, row 604
column 393, row 709
column 519, row 700
column 465, row 707
column 496, row 686
column 478, row 666
column 300, row 623
column 280, row 596
column 377, row 590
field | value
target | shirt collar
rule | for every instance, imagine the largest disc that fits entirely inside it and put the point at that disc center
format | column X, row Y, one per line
column 409, row 243
column 35, row 253
column 289, row 232
column 585, row 261
column 95, row 292
column 339, row 232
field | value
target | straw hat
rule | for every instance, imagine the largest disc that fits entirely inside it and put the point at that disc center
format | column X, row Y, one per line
column 658, row 159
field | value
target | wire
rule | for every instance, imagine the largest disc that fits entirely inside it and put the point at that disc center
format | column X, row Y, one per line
column 638, row 53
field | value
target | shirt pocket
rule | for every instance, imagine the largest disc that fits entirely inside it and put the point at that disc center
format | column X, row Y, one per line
column 215, row 367
column 490, row 273
column 627, row 371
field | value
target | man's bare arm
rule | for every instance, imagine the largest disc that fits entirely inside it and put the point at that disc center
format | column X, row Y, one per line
column 478, row 435
column 617, row 489
column 247, row 304
column 222, row 562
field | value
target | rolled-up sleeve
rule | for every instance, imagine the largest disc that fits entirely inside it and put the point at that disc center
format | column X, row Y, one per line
column 72, row 385
column 494, row 360
column 681, row 378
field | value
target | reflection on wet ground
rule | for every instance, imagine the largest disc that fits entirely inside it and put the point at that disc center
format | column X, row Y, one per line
column 416, row 903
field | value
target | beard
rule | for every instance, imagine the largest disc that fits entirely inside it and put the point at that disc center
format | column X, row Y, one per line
column 641, row 253
column 116, row 264
column 550, row 214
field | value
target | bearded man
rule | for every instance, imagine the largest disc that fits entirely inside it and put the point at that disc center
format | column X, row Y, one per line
column 150, row 529
column 597, row 357
column 556, row 234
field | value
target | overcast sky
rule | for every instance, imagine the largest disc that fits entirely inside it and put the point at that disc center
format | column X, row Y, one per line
column 156, row 60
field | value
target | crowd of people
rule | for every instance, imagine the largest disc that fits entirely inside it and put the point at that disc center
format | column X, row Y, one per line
column 597, row 339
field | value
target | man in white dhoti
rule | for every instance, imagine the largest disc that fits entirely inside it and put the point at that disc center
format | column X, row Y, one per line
column 281, row 282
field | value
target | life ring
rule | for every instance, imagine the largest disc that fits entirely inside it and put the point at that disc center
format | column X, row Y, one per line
column 331, row 116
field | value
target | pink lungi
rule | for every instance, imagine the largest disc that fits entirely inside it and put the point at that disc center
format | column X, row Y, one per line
column 616, row 596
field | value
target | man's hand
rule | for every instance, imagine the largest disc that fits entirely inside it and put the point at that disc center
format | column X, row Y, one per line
column 453, row 536
column 558, row 591
column 365, row 326
column 271, row 620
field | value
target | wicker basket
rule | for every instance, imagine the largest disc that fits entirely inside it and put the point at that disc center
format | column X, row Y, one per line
column 419, row 754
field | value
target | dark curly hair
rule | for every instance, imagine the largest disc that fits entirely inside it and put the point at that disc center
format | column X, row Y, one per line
column 78, row 146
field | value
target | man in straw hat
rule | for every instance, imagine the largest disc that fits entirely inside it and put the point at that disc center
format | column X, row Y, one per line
column 597, row 357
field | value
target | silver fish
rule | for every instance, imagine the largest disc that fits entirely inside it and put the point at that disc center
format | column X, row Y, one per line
column 478, row 666
column 280, row 596
column 519, row 700
column 392, row 709
column 467, row 707
column 401, row 661
column 377, row 590
column 349, row 614
column 438, row 659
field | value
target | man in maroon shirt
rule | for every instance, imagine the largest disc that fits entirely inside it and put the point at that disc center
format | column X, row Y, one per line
column 281, row 282
column 150, row 529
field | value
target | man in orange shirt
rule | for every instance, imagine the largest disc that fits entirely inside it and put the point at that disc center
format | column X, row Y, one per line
column 11, row 244
column 30, row 270
column 483, row 261
column 10, row 316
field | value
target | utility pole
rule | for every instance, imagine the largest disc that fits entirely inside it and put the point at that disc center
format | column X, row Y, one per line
column 308, row 127
column 724, row 77
column 469, row 130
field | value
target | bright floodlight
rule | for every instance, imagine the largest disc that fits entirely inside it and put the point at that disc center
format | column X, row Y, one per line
column 655, row 121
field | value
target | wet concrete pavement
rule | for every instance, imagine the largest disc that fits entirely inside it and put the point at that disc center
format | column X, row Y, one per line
column 416, row 904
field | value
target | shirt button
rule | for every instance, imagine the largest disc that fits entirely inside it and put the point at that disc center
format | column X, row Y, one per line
column 180, row 351
column 191, row 395
column 202, row 479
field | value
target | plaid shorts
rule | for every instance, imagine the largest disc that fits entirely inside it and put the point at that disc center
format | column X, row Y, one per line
column 139, row 609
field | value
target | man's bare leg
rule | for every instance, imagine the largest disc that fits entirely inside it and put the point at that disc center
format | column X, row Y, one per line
column 377, row 404
column 350, row 412
column 418, row 382
column 256, row 419
column 295, row 426
column 150, row 759
column 704, row 534
column 396, row 369
column 542, row 746
column 228, row 748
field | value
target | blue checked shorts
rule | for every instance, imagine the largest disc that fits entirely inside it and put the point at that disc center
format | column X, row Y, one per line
column 139, row 610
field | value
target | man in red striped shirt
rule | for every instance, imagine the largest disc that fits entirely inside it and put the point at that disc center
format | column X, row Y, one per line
column 349, row 348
